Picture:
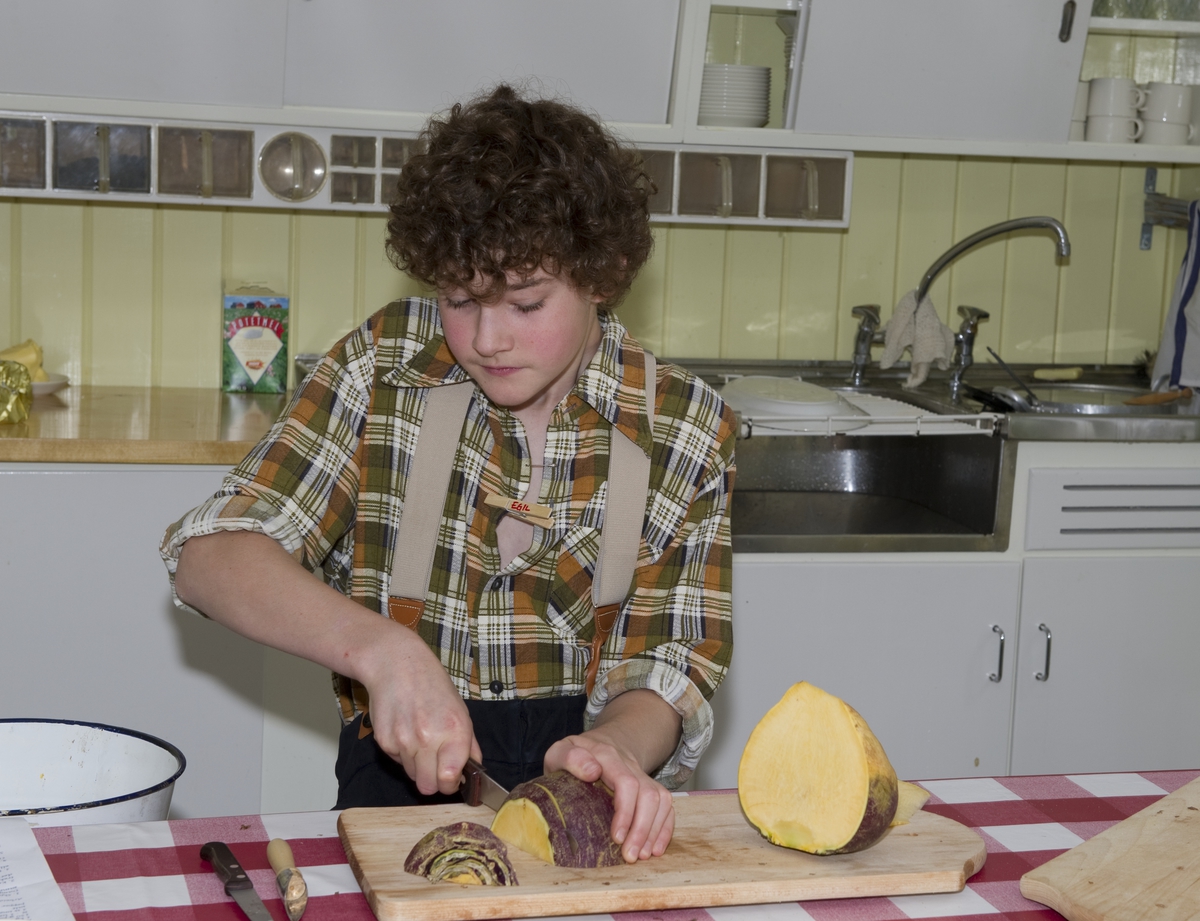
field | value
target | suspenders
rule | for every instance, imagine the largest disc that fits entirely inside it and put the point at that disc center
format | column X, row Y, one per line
column 425, row 499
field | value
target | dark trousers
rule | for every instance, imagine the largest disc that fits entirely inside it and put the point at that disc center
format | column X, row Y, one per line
column 513, row 734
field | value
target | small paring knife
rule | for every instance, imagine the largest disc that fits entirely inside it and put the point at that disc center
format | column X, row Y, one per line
column 478, row 788
column 237, row 883
column 291, row 884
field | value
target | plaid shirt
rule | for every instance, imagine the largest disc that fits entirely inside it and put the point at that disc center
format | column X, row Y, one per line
column 328, row 482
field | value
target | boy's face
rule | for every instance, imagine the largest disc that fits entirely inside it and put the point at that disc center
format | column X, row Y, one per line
column 526, row 348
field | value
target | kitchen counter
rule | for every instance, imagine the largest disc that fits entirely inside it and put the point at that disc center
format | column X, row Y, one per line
column 141, row 425
column 126, row 872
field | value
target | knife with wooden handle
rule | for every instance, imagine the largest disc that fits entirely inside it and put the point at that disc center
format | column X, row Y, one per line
column 478, row 787
column 237, row 884
column 291, row 884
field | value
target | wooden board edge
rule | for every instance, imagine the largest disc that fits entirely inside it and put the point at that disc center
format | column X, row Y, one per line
column 1038, row 890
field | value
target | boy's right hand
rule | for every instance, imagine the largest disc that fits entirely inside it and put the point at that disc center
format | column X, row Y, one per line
column 417, row 715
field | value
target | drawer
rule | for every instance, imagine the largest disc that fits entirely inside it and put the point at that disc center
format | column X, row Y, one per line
column 1112, row 508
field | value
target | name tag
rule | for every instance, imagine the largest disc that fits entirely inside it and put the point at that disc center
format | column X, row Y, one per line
column 529, row 512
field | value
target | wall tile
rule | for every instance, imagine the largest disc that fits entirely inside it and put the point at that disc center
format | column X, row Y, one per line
column 1139, row 278
column 1086, row 286
column 1031, row 270
column 643, row 310
column 694, row 291
column 10, row 274
column 122, row 302
column 977, row 276
column 191, row 297
column 811, row 276
column 753, row 263
column 868, row 268
column 52, row 284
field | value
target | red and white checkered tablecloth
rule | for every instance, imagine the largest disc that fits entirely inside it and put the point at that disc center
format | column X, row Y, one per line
column 152, row 871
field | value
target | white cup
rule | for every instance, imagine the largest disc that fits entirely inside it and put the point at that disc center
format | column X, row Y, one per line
column 1079, row 113
column 1166, row 133
column 1115, row 96
column 1111, row 129
column 1078, row 130
column 1167, row 102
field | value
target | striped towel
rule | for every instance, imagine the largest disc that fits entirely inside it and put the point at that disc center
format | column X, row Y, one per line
column 1178, row 361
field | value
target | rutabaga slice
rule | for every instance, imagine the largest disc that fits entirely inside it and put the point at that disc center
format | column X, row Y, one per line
column 464, row 852
column 562, row 820
column 813, row 776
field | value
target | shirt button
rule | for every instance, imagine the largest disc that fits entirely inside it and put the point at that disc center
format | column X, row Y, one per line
column 496, row 687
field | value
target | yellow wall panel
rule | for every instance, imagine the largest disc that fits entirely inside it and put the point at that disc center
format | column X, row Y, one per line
column 1031, row 272
column 977, row 276
column 1107, row 56
column 869, row 253
column 1086, row 289
column 191, row 297
column 1138, row 274
column 122, row 284
column 812, row 263
column 322, row 302
column 695, row 289
column 643, row 309
column 1153, row 59
column 754, row 261
column 10, row 275
column 257, row 244
column 928, row 186
column 52, row 284
column 380, row 281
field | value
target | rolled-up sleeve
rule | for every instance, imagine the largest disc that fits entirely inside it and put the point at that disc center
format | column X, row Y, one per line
column 298, row 484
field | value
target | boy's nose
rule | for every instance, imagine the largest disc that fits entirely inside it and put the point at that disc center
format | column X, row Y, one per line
column 492, row 335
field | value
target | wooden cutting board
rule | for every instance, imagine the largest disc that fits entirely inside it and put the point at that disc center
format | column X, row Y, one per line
column 1147, row 866
column 715, row 858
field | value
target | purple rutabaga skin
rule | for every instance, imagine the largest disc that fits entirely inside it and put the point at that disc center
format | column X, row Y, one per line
column 579, row 815
column 464, row 847
column 877, row 817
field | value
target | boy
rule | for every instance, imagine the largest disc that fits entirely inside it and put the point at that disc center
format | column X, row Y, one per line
column 530, row 221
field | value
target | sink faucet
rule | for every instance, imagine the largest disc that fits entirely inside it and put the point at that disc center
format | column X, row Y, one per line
column 867, row 335
column 1021, row 223
column 965, row 339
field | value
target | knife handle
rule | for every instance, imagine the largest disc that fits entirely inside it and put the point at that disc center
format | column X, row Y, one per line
column 472, row 791
column 226, row 866
column 279, row 853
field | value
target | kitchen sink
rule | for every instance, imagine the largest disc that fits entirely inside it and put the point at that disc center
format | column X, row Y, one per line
column 800, row 493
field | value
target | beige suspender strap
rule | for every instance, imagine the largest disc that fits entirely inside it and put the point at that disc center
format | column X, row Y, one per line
column 621, row 535
column 425, row 498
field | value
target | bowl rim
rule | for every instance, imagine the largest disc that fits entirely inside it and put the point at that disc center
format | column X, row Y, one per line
column 124, row 797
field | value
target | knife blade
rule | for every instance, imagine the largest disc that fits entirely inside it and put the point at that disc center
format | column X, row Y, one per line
column 478, row 787
column 237, row 883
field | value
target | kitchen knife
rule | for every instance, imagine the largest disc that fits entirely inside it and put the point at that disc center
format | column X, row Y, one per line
column 291, row 884
column 478, row 788
column 237, row 883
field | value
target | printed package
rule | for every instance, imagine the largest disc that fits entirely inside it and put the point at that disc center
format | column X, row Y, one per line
column 255, row 330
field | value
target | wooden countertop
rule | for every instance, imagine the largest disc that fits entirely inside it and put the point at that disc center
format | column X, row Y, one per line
column 141, row 425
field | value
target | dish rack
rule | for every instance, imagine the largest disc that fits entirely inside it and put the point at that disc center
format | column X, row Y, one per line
column 887, row 417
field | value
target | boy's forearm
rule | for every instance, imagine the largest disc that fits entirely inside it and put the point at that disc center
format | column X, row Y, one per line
column 247, row 582
column 642, row 724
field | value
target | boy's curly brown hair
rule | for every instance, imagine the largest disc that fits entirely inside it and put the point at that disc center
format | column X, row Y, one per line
column 509, row 184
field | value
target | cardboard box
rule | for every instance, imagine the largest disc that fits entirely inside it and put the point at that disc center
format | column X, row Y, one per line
column 255, row 332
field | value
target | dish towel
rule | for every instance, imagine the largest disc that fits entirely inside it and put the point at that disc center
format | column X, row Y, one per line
column 1178, row 362
column 918, row 328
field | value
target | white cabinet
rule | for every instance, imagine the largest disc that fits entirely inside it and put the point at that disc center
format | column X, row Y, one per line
column 910, row 645
column 1123, row 689
column 959, row 69
column 89, row 633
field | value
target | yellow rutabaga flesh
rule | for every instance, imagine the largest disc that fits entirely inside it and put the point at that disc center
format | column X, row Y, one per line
column 813, row 776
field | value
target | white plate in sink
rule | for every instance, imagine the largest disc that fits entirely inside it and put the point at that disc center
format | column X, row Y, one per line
column 793, row 405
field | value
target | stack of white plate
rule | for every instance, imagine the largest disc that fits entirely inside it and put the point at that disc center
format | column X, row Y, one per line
column 735, row 95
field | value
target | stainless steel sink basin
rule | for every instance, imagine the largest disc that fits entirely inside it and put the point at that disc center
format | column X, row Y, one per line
column 806, row 494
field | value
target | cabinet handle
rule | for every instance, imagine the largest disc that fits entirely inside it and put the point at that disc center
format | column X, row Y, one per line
column 999, row 672
column 206, row 164
column 1068, row 20
column 1044, row 675
column 103, row 173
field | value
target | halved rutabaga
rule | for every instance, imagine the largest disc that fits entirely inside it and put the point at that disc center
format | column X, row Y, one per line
column 562, row 820
column 464, row 852
column 813, row 776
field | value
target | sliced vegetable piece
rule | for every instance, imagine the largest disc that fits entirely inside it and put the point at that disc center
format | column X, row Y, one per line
column 813, row 776
column 465, row 852
column 562, row 820
column 911, row 799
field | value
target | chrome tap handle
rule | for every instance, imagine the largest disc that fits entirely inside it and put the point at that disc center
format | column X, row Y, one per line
column 868, row 324
column 971, row 317
column 965, row 339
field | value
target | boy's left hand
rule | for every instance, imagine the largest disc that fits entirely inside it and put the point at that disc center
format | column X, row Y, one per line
column 635, row 733
column 645, row 811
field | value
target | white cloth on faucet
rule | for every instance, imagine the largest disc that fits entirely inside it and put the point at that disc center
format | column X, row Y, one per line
column 920, row 329
column 1178, row 362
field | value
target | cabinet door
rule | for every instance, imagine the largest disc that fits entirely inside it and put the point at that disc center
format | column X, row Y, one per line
column 220, row 52
column 975, row 69
column 909, row 645
column 614, row 58
column 1123, row 688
